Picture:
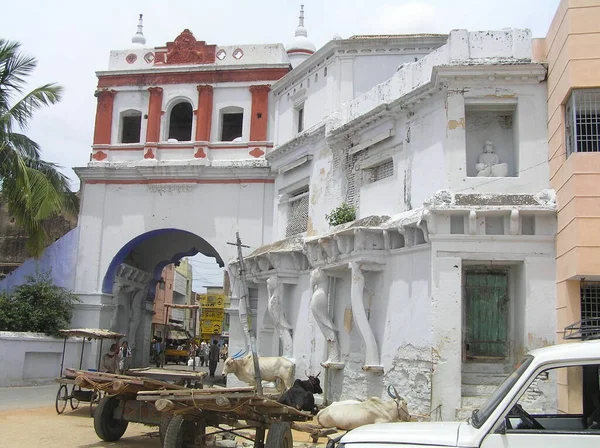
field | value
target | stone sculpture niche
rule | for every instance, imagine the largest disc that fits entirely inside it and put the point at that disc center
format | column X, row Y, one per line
column 319, row 308
column 488, row 163
column 275, row 309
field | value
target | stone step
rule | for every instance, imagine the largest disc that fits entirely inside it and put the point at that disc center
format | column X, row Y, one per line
column 474, row 402
column 484, row 367
column 482, row 378
column 478, row 389
column 463, row 413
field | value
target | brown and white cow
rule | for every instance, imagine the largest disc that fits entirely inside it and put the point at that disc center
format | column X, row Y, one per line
column 350, row 414
column 278, row 369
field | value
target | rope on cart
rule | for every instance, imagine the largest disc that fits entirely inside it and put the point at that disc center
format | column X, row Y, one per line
column 105, row 387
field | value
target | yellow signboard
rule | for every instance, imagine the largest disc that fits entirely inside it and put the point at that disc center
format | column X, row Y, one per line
column 211, row 327
column 212, row 314
column 212, row 300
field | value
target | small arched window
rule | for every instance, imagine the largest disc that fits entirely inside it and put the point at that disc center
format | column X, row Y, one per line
column 180, row 122
column 232, row 123
column 131, row 126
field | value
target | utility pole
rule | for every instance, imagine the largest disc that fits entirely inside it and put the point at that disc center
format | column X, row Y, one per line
column 244, row 316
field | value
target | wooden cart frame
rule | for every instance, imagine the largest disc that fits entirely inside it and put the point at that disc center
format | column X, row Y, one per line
column 66, row 379
column 235, row 410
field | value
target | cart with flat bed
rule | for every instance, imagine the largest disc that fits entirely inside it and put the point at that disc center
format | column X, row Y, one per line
column 234, row 410
column 66, row 378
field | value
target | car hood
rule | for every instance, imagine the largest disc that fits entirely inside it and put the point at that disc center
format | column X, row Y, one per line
column 417, row 433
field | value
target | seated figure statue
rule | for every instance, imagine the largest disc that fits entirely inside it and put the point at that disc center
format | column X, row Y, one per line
column 488, row 163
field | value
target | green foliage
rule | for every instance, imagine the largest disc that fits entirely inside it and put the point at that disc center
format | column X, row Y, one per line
column 33, row 189
column 341, row 215
column 38, row 306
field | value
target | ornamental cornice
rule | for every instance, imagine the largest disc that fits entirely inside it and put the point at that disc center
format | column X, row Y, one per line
column 309, row 136
column 189, row 68
column 173, row 171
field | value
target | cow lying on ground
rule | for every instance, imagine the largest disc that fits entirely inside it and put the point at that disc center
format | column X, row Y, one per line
column 277, row 369
column 300, row 395
column 351, row 414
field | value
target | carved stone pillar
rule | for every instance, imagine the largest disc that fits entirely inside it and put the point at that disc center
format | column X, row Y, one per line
column 117, row 286
column 204, row 113
column 104, row 116
column 372, row 362
column 319, row 307
column 275, row 309
column 154, row 115
column 258, row 118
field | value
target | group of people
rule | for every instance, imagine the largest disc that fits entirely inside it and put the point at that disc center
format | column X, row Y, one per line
column 209, row 355
column 118, row 359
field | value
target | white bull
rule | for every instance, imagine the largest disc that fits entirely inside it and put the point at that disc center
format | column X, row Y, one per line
column 351, row 414
column 277, row 369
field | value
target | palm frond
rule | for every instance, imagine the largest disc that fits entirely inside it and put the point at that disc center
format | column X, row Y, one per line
column 14, row 66
column 23, row 109
column 22, row 144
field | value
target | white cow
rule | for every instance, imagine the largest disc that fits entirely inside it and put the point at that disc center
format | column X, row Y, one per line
column 278, row 369
column 350, row 414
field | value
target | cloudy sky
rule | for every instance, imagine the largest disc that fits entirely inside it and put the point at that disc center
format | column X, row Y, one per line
column 72, row 39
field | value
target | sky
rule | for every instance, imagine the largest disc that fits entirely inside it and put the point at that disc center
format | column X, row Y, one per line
column 72, row 40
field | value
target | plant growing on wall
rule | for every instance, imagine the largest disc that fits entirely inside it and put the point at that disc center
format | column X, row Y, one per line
column 341, row 215
column 38, row 305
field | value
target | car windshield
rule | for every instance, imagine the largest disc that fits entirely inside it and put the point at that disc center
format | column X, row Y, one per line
column 479, row 416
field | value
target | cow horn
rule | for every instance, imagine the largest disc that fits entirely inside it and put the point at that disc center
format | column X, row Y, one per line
column 318, row 375
column 236, row 355
column 396, row 395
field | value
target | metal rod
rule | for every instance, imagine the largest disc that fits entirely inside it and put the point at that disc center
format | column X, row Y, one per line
column 82, row 347
column 164, row 341
column 194, row 341
column 62, row 362
column 244, row 319
column 100, row 355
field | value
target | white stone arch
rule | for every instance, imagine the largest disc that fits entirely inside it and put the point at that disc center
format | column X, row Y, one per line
column 130, row 112
column 232, row 110
column 169, row 106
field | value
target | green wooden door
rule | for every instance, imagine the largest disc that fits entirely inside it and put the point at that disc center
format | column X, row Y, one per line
column 486, row 295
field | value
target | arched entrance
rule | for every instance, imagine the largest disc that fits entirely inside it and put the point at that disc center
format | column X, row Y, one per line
column 132, row 276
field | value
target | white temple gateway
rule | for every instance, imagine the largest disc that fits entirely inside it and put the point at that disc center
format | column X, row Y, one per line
column 439, row 142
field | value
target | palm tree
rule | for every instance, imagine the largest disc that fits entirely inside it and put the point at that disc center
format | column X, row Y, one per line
column 32, row 188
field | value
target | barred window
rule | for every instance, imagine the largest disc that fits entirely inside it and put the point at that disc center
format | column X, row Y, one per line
column 582, row 121
column 590, row 310
column 298, row 212
column 386, row 169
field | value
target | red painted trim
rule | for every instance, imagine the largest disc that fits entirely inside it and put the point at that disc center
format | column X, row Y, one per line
column 203, row 77
column 154, row 114
column 301, row 51
column 178, row 181
column 259, row 114
column 104, row 113
column 141, row 148
column 204, row 116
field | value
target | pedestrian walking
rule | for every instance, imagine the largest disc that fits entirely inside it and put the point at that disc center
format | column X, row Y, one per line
column 203, row 353
column 213, row 358
column 126, row 356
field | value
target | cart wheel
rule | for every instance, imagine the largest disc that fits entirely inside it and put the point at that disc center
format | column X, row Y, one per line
column 107, row 427
column 183, row 433
column 280, row 436
column 74, row 401
column 165, row 419
column 61, row 399
column 94, row 402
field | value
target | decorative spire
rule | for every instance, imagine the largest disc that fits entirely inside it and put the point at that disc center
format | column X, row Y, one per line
column 301, row 31
column 139, row 38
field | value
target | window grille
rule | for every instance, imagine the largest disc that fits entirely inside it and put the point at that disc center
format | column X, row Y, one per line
column 298, row 213
column 383, row 171
column 590, row 309
column 582, row 121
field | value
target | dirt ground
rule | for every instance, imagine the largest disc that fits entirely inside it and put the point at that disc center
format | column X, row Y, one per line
column 42, row 427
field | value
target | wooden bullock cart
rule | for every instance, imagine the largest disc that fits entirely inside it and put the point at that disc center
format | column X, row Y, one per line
column 119, row 406
column 232, row 410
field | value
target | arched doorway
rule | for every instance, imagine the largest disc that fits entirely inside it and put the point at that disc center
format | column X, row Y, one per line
column 133, row 274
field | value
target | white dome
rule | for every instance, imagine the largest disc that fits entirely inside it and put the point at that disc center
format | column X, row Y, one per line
column 138, row 37
column 301, row 43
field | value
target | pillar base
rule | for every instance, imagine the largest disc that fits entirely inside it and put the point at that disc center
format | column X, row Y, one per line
column 372, row 368
column 333, row 365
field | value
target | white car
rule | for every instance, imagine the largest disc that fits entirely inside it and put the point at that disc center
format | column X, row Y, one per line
column 552, row 398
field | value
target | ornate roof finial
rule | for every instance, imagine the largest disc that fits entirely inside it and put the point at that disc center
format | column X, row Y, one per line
column 301, row 22
column 139, row 38
column 301, row 31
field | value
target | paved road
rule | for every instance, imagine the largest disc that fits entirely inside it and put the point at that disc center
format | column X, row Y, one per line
column 27, row 397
